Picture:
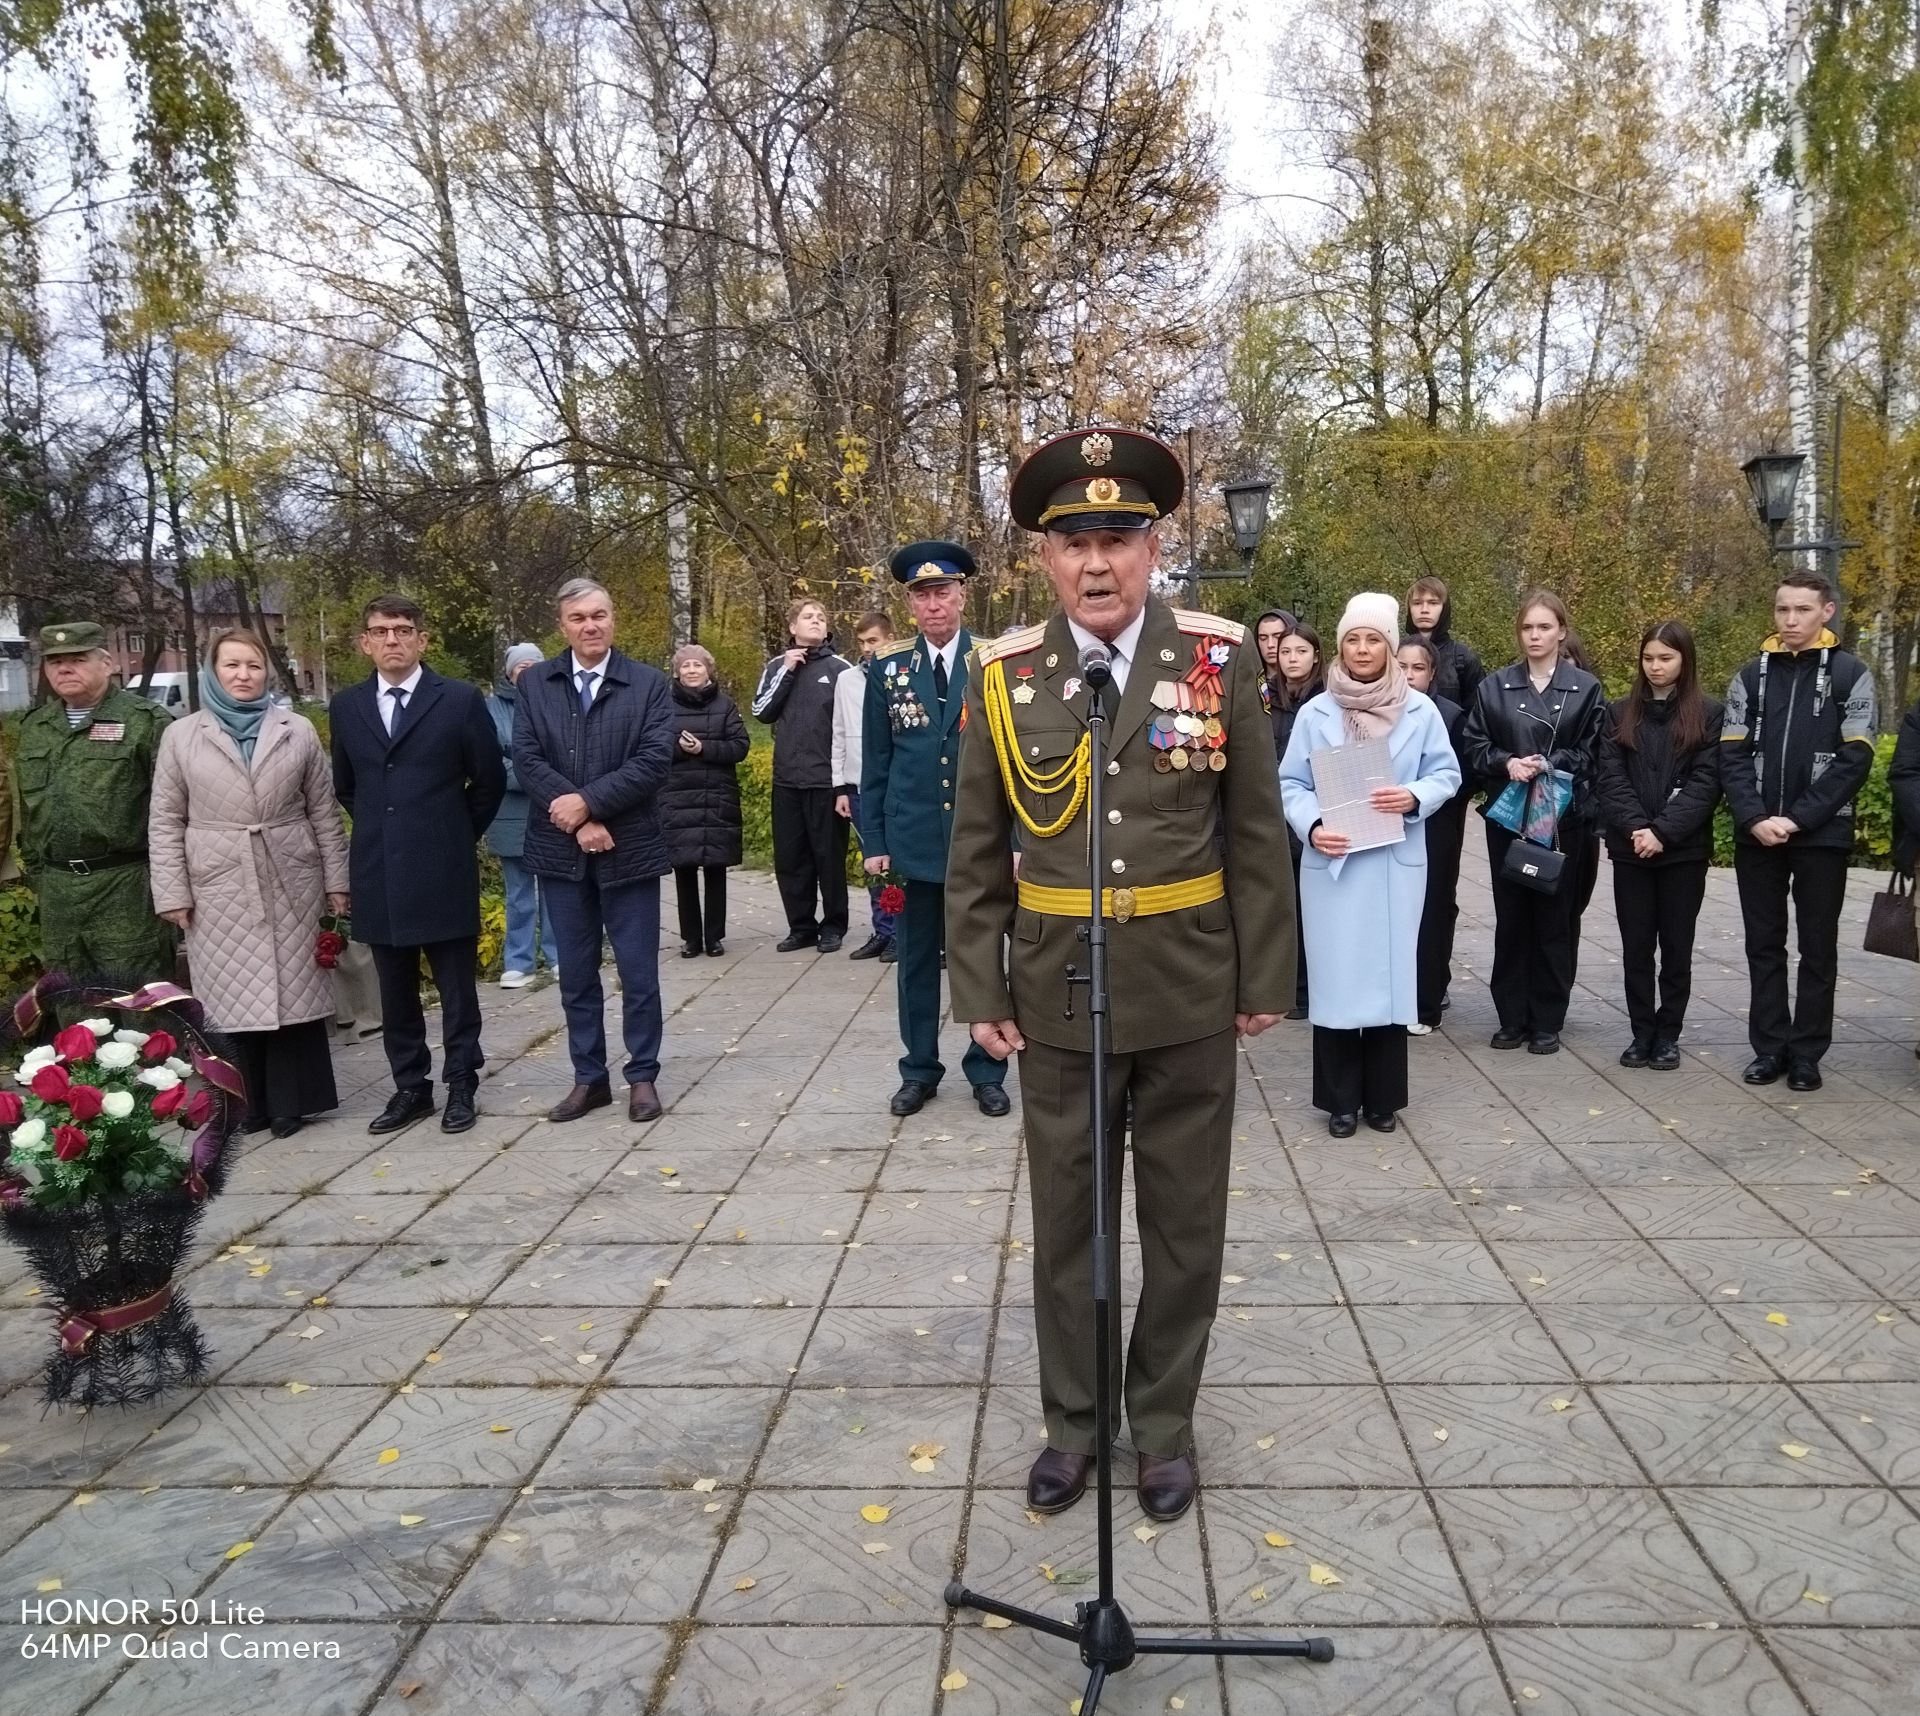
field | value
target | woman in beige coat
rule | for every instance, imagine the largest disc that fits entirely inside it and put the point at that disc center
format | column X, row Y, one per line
column 246, row 849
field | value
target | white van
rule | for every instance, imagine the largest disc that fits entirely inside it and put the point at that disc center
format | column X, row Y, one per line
column 169, row 690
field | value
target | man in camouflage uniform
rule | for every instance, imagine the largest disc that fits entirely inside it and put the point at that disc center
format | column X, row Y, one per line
column 82, row 776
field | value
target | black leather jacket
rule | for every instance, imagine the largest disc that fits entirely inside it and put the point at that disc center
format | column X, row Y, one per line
column 1563, row 724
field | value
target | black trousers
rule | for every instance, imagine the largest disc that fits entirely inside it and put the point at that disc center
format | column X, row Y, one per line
column 403, row 1024
column 696, row 930
column 1816, row 879
column 810, row 859
column 1658, row 906
column 1533, row 937
column 1360, row 1072
column 1583, row 876
column 1440, row 912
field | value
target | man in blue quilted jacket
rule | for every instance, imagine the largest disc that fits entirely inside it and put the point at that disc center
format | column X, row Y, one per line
column 592, row 742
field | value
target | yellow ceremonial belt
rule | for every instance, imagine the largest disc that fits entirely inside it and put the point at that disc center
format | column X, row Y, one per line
column 1120, row 904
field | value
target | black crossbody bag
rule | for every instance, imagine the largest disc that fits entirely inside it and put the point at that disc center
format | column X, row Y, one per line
column 1528, row 864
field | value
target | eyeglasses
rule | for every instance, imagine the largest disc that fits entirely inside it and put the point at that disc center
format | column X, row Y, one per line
column 392, row 631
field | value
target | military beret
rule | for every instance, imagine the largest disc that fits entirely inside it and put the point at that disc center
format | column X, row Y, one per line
column 931, row 563
column 76, row 637
column 1097, row 479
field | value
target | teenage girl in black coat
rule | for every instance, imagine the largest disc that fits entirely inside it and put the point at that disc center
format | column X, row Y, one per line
column 1302, row 676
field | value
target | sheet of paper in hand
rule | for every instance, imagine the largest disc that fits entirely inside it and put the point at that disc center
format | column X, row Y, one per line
column 1344, row 777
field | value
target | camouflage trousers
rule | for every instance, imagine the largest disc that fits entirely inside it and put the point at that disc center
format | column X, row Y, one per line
column 101, row 928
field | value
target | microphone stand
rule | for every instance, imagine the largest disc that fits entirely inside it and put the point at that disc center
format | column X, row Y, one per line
column 1100, row 1629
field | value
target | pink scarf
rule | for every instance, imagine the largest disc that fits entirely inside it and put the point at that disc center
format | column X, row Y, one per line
column 1372, row 707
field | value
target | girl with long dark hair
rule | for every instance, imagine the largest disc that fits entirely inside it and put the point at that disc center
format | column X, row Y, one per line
column 1301, row 678
column 1659, row 782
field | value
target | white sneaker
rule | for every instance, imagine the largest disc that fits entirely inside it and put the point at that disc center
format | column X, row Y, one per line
column 1419, row 1030
column 515, row 979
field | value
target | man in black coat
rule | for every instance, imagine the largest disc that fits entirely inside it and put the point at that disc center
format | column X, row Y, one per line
column 417, row 766
column 592, row 741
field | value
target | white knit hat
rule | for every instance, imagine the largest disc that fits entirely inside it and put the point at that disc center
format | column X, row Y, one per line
column 1370, row 608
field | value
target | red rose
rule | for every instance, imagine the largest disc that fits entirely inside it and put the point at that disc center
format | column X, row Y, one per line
column 168, row 1100
column 84, row 1101
column 158, row 1047
column 51, row 1084
column 893, row 898
column 199, row 1108
column 69, row 1143
column 75, row 1043
column 12, row 1109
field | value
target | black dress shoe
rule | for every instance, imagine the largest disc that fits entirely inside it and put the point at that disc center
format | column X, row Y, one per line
column 715, row 949
column 831, row 943
column 993, row 1099
column 795, row 942
column 460, row 1112
column 871, row 948
column 1342, row 1125
column 1665, row 1057
column 1762, row 1069
column 1383, row 1122
column 582, row 1099
column 1803, row 1075
column 911, row 1097
column 286, row 1126
column 1508, row 1039
column 888, row 955
column 1544, row 1043
column 1057, row 1481
column 403, row 1108
column 1166, row 1487
column 689, row 950
column 1637, row 1053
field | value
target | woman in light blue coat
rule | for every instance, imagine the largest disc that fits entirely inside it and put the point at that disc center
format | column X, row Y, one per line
column 1361, row 910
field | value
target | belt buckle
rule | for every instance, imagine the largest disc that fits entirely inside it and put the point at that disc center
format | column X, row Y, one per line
column 79, row 867
column 1125, row 901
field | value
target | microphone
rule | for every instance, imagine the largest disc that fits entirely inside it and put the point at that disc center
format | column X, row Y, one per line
column 1096, row 666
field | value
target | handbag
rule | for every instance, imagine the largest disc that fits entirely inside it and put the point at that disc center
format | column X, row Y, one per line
column 1540, row 868
column 1890, row 926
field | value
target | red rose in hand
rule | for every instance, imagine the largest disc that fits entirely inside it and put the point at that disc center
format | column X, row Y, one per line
column 12, row 1109
column 893, row 899
column 69, row 1143
column 199, row 1108
column 158, row 1047
column 166, row 1101
column 75, row 1043
column 84, row 1101
column 51, row 1084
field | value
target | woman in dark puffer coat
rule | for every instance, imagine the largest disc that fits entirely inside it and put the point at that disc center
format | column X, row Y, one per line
column 700, row 804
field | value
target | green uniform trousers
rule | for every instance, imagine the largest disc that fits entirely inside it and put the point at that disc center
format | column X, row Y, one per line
column 1182, row 1114
column 920, row 937
column 101, row 928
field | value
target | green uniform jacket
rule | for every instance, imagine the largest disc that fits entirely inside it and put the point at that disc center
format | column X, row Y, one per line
column 909, row 755
column 83, row 792
column 1178, row 976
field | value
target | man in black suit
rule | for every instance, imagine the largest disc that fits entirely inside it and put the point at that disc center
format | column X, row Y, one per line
column 417, row 765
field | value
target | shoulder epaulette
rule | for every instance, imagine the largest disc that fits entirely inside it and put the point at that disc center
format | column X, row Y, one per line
column 1014, row 643
column 896, row 646
column 1197, row 624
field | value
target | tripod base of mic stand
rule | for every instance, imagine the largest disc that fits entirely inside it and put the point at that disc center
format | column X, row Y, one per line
column 1107, row 1644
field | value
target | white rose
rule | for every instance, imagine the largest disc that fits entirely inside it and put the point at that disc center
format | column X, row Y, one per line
column 136, row 1038
column 99, row 1027
column 178, row 1067
column 117, row 1104
column 44, row 1056
column 116, row 1055
column 29, row 1133
column 161, row 1078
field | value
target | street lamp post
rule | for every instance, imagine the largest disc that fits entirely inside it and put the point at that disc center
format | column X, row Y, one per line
column 1247, row 518
column 1772, row 479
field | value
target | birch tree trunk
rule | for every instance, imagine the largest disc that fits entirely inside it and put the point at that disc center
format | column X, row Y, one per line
column 1802, row 406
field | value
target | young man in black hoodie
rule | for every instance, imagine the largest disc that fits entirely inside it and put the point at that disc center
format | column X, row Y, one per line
column 1796, row 749
column 1430, row 614
column 795, row 698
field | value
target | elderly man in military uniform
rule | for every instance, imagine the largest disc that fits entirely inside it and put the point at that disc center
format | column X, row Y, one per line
column 83, row 776
column 911, row 735
column 1201, row 945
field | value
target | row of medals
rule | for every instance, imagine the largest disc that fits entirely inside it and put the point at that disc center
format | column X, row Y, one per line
column 1182, row 741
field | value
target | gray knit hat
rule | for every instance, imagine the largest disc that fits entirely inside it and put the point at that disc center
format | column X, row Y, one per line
column 522, row 654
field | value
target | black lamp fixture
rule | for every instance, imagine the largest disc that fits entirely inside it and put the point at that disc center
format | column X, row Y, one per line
column 1247, row 513
column 1773, row 478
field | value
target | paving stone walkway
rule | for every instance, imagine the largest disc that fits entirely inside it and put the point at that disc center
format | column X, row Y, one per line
column 1599, row 1392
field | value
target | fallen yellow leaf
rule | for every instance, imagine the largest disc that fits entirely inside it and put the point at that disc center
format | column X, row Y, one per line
column 706, row 1486
column 55, row 1585
column 1795, row 1450
column 1815, row 1597
column 956, row 1680
column 874, row 1514
column 388, row 1456
column 1275, row 1539
column 412, row 1518
column 1265, row 1442
column 1145, row 1533
column 1259, row 1593
column 1778, row 1318
column 502, row 1429
column 923, row 1465
column 1440, row 1435
column 298, row 1387
column 999, row 1623
column 239, row 1549
column 875, row 1548
column 748, row 1584
column 1561, row 1405
column 1321, row 1574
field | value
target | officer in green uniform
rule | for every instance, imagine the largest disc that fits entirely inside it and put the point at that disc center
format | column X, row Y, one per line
column 1201, row 945
column 83, row 775
column 910, row 746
